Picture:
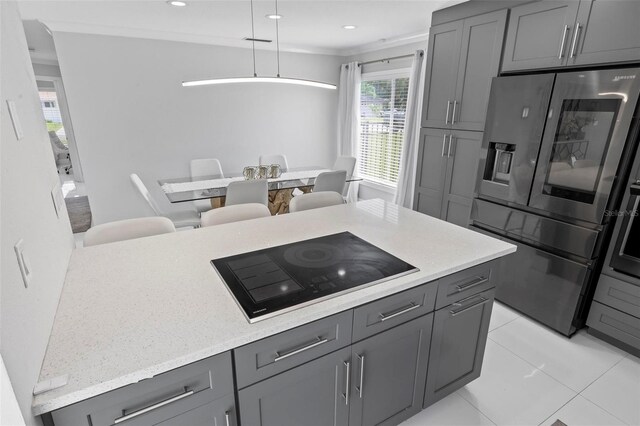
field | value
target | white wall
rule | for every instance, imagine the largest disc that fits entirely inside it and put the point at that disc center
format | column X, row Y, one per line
column 10, row 414
column 27, row 175
column 370, row 190
column 131, row 114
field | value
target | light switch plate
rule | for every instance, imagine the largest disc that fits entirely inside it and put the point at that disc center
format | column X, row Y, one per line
column 57, row 198
column 15, row 119
column 24, row 266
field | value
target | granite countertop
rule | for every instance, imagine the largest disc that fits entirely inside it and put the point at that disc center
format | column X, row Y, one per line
column 133, row 309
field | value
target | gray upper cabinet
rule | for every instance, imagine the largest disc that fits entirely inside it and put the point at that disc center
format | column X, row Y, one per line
column 551, row 34
column 443, row 55
column 607, row 32
column 447, row 170
column 463, row 56
column 539, row 35
column 388, row 374
column 313, row 393
column 479, row 62
column 457, row 348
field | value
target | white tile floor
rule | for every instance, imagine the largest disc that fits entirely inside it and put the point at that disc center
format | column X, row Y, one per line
column 534, row 376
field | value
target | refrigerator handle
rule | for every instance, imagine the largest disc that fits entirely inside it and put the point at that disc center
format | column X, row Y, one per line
column 565, row 32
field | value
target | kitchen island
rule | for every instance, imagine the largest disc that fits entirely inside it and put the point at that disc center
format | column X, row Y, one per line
column 133, row 310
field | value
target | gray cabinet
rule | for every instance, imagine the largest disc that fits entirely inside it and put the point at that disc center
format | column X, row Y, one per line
column 463, row 56
column 607, row 32
column 575, row 33
column 313, row 393
column 447, row 169
column 388, row 374
column 457, row 347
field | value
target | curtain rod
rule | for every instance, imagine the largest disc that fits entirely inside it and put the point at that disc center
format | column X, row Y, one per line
column 390, row 59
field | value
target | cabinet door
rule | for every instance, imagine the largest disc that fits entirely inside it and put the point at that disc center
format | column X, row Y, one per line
column 479, row 61
column 457, row 345
column 609, row 32
column 313, row 393
column 539, row 35
column 462, row 172
column 442, row 67
column 431, row 173
column 388, row 374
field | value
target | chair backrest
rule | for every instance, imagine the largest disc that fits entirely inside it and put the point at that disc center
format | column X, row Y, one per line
column 275, row 159
column 345, row 163
column 330, row 181
column 142, row 189
column 315, row 200
column 127, row 230
column 234, row 213
column 247, row 191
column 206, row 167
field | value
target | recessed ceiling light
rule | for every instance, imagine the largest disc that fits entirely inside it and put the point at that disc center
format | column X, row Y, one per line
column 273, row 16
column 177, row 3
column 349, row 27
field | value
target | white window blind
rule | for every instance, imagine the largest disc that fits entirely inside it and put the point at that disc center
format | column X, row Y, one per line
column 383, row 104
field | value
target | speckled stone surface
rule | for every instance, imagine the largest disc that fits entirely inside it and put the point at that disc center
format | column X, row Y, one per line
column 133, row 309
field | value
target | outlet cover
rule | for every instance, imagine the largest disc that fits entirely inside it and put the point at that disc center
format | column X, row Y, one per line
column 57, row 198
column 15, row 119
column 25, row 269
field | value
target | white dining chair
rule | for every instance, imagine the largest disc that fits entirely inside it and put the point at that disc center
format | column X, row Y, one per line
column 205, row 168
column 127, row 229
column 181, row 219
column 247, row 191
column 330, row 181
column 348, row 164
column 234, row 213
column 266, row 160
column 315, row 200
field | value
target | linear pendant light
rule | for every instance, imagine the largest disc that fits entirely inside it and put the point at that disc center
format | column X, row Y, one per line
column 255, row 78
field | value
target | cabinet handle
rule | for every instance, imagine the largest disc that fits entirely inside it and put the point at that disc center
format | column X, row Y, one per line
column 347, row 386
column 449, row 149
column 574, row 45
column 453, row 115
column 473, row 283
column 227, row 418
column 444, row 142
column 359, row 388
column 455, row 312
column 319, row 341
column 565, row 30
column 446, row 118
column 404, row 310
column 124, row 418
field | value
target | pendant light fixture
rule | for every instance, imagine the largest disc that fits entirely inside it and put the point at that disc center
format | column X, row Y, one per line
column 255, row 78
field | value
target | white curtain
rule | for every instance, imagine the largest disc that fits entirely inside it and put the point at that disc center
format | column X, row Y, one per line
column 349, row 118
column 407, row 172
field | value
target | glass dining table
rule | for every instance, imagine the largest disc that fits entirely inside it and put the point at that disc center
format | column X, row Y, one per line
column 180, row 190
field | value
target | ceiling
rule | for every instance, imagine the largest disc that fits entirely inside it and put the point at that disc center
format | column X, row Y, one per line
column 306, row 26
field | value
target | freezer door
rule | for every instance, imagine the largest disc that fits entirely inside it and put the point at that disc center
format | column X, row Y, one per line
column 583, row 142
column 513, row 132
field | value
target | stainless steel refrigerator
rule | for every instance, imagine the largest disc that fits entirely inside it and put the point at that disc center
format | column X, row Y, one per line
column 554, row 152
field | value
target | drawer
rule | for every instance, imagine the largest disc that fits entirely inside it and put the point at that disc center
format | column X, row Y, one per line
column 616, row 324
column 618, row 294
column 386, row 313
column 267, row 357
column 463, row 284
column 176, row 391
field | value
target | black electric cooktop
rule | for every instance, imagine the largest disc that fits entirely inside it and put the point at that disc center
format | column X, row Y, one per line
column 279, row 279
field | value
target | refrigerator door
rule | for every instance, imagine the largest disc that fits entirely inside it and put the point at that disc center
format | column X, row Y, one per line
column 513, row 131
column 583, row 142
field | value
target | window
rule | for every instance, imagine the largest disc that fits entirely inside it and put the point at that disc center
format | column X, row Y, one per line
column 51, row 110
column 383, row 104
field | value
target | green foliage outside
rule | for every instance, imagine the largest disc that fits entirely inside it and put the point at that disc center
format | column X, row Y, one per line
column 53, row 126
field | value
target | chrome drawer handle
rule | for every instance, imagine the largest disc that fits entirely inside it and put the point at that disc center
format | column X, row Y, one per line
column 455, row 312
column 153, row 407
column 389, row 315
column 470, row 284
column 319, row 341
column 359, row 388
column 227, row 418
column 564, row 40
column 345, row 395
column 575, row 41
column 446, row 119
column 453, row 116
column 444, row 142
